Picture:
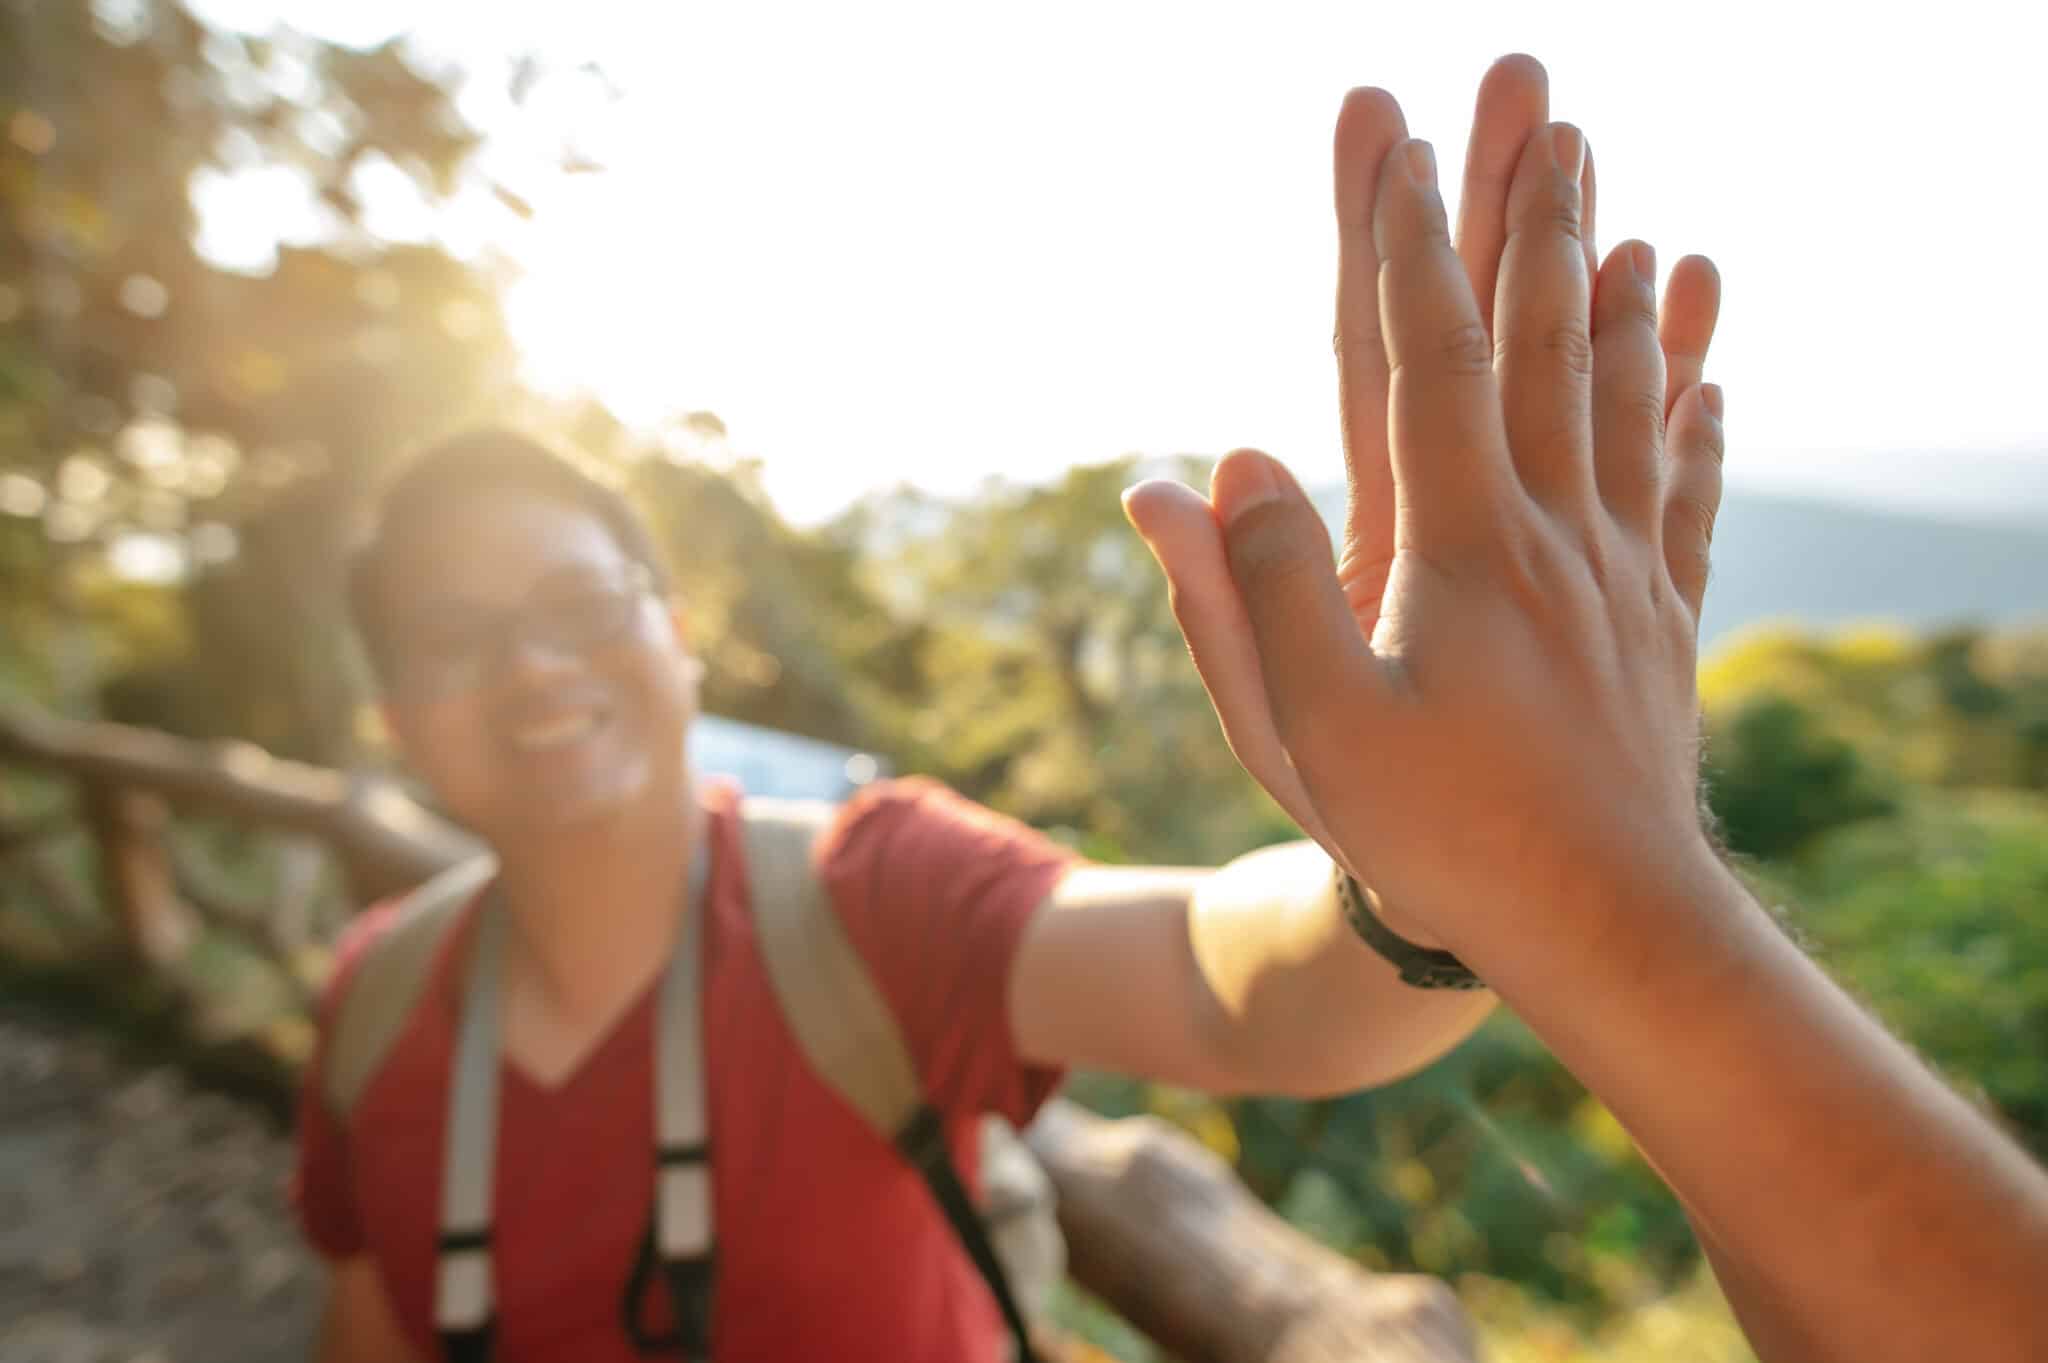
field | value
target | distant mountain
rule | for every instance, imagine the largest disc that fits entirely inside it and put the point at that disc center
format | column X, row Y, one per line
column 1825, row 563
column 1828, row 564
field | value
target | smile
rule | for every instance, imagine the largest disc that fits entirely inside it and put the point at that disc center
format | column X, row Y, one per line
column 559, row 731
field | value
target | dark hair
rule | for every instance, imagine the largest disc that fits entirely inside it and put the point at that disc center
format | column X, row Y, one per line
column 454, row 470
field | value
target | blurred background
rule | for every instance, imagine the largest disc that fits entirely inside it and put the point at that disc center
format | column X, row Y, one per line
column 876, row 313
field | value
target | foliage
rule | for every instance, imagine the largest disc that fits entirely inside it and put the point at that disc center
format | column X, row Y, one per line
column 1690, row 1324
column 1962, row 708
column 1775, row 778
column 1939, row 918
column 166, row 415
column 1045, row 674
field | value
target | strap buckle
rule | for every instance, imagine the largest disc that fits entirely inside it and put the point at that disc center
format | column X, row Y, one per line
column 922, row 1141
column 690, row 1282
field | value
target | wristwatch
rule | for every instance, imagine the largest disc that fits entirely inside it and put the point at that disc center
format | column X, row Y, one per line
column 1421, row 967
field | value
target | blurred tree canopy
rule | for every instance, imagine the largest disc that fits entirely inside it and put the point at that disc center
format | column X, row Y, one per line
column 1959, row 708
column 1044, row 672
column 160, row 414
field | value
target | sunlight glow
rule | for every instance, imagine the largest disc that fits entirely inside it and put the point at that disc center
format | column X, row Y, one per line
column 936, row 243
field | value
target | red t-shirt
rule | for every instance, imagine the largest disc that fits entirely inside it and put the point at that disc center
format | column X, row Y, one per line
column 829, row 1245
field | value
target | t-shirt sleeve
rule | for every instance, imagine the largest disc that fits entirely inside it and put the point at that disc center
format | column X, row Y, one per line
column 935, row 892
column 322, row 1184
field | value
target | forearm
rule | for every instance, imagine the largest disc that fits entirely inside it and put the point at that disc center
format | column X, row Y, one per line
column 1772, row 1330
column 1306, row 1008
column 1695, row 1007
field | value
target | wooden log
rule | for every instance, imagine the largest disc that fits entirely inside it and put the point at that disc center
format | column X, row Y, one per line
column 386, row 841
column 1160, row 1228
column 129, row 824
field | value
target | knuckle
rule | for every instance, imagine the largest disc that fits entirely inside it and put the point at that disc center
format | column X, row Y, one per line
column 1694, row 515
column 1644, row 409
column 1711, row 443
column 1639, row 306
column 1359, row 346
column 1556, row 206
column 1628, row 300
column 1691, row 568
column 1570, row 344
column 1465, row 350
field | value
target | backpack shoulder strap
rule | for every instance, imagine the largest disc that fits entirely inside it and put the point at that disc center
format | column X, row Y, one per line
column 388, row 981
column 847, row 1030
column 841, row 1021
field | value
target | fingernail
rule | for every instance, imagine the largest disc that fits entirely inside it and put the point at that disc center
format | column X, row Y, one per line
column 1646, row 262
column 1710, row 394
column 1568, row 150
column 1422, row 164
column 1252, row 483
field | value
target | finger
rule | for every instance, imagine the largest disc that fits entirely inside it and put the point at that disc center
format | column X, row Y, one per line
column 1322, row 685
column 1588, row 194
column 1368, row 126
column 1450, row 454
column 1514, row 101
column 1692, row 305
column 1693, row 498
column 1542, row 321
column 1180, row 529
column 1628, row 389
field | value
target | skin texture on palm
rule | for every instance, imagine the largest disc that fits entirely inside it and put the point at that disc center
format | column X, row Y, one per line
column 1490, row 714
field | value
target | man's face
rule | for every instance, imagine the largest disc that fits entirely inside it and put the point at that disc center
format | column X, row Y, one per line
column 536, row 683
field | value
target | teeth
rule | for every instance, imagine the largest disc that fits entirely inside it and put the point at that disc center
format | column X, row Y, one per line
column 554, row 733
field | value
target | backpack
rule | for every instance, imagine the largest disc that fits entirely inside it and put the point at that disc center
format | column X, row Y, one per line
column 842, row 1024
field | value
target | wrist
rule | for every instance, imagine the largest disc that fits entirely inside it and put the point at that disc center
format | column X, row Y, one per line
column 1630, row 933
column 1399, row 923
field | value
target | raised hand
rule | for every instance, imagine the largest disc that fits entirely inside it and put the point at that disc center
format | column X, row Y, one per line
column 1486, row 709
column 1498, row 668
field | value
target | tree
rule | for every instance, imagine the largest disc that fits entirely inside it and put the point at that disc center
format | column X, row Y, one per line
column 1775, row 778
column 1052, row 681
column 169, row 413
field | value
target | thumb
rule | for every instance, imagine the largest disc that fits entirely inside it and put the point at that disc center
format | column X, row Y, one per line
column 1179, row 527
column 1324, row 687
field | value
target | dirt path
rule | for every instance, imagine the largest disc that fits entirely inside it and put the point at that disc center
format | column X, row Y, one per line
column 141, row 1221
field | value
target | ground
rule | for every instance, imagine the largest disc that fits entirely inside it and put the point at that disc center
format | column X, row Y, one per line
column 141, row 1221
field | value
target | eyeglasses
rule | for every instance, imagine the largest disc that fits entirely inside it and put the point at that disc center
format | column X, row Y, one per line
column 440, row 653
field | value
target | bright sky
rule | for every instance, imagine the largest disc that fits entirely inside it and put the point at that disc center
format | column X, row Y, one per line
column 935, row 244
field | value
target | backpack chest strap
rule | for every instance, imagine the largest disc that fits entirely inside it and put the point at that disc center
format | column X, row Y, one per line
column 680, row 1238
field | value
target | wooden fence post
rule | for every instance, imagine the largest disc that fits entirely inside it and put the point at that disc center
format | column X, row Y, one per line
column 129, row 826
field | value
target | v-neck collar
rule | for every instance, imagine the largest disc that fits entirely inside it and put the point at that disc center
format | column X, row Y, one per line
column 636, row 1019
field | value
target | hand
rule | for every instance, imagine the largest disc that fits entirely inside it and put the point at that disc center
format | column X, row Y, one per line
column 1492, row 692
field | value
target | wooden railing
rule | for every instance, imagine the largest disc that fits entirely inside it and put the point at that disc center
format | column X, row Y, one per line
column 1156, row 1225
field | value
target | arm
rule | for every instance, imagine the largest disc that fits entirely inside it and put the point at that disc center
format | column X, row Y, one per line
column 1245, row 979
column 1801, row 1128
column 358, row 1325
column 1489, row 705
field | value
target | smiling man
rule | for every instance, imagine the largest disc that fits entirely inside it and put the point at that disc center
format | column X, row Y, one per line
column 539, row 678
column 538, row 675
